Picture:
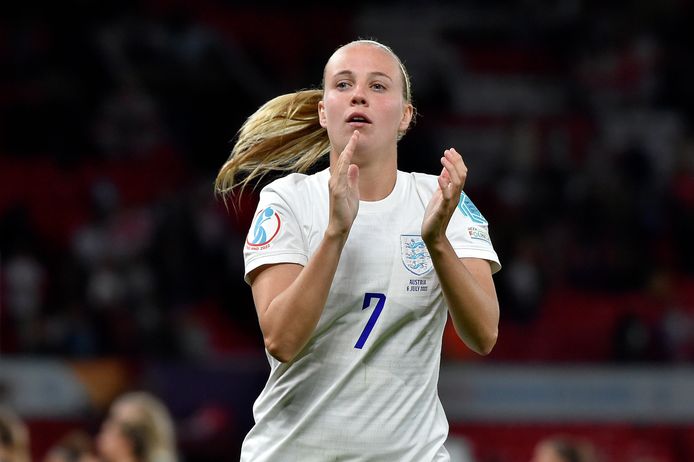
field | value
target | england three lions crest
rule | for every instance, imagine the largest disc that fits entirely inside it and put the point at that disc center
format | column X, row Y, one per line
column 415, row 255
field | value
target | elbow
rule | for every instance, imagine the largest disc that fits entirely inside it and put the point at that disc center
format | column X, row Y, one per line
column 279, row 350
column 483, row 344
column 486, row 345
column 280, row 342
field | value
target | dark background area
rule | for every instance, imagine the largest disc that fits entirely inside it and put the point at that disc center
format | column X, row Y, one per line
column 574, row 118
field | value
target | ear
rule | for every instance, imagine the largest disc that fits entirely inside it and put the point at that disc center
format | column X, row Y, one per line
column 321, row 114
column 406, row 118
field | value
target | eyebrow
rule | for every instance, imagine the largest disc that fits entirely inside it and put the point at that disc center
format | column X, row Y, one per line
column 370, row 74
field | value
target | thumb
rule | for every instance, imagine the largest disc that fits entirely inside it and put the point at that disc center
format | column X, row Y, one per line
column 353, row 176
column 444, row 179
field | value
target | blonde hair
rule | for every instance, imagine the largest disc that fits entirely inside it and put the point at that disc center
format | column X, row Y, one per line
column 154, row 426
column 285, row 135
column 76, row 445
column 571, row 449
column 14, row 436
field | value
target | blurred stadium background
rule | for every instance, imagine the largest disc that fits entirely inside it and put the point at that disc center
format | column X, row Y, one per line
column 120, row 270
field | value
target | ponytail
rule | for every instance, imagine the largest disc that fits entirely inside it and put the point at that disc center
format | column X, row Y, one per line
column 284, row 135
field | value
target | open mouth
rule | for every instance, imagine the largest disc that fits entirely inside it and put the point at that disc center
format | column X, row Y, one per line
column 358, row 118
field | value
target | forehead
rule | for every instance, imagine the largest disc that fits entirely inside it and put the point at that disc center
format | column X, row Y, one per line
column 363, row 58
column 127, row 411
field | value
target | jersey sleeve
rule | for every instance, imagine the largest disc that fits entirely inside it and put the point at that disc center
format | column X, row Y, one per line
column 275, row 234
column 468, row 232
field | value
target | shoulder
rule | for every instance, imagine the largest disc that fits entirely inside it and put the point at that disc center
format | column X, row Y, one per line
column 423, row 179
column 423, row 183
column 286, row 183
column 294, row 183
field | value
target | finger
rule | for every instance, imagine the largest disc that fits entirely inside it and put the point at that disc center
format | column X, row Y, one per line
column 457, row 160
column 444, row 180
column 451, row 172
column 458, row 173
column 348, row 152
column 353, row 176
column 345, row 157
column 444, row 174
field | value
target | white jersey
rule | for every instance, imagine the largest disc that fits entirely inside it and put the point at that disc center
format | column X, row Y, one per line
column 364, row 388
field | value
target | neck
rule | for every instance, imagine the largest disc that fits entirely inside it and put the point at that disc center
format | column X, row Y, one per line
column 376, row 178
column 376, row 182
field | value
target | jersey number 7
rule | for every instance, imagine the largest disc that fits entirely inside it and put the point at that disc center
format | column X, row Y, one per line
column 381, row 301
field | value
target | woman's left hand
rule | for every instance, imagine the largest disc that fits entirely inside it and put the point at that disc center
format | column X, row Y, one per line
column 445, row 199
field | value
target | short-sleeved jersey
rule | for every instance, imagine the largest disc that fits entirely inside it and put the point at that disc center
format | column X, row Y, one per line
column 364, row 388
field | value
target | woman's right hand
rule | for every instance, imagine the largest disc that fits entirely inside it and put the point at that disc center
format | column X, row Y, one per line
column 344, row 191
column 290, row 298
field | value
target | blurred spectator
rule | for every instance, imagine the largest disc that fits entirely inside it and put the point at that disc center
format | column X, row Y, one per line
column 577, row 144
column 14, row 437
column 681, row 200
column 128, row 125
column 24, row 282
column 674, row 329
column 74, row 447
column 564, row 449
column 138, row 428
column 575, row 120
column 677, row 329
column 633, row 340
column 521, row 285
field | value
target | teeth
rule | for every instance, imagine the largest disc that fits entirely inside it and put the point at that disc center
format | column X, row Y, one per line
column 358, row 119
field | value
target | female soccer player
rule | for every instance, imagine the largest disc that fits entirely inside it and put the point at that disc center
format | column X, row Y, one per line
column 139, row 428
column 14, row 437
column 354, row 269
column 564, row 449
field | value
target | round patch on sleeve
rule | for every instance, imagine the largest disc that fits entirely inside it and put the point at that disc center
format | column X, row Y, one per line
column 266, row 226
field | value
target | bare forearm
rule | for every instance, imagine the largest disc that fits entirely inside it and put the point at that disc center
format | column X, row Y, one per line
column 290, row 305
column 290, row 319
column 474, row 309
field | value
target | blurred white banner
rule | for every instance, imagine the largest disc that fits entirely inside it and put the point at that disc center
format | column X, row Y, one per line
column 567, row 394
column 41, row 388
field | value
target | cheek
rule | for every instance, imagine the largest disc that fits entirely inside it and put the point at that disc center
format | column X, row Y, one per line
column 331, row 108
column 394, row 111
column 103, row 444
column 109, row 441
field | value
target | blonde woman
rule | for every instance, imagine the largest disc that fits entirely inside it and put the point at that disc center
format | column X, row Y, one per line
column 138, row 428
column 14, row 437
column 76, row 446
column 354, row 269
column 564, row 449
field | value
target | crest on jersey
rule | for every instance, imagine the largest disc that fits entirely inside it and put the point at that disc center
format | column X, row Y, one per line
column 266, row 225
column 415, row 255
column 468, row 209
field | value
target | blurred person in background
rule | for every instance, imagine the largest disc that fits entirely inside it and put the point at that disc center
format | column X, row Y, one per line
column 74, row 447
column 14, row 437
column 325, row 247
column 564, row 449
column 139, row 428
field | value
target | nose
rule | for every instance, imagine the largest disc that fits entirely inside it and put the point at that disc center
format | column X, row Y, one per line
column 358, row 96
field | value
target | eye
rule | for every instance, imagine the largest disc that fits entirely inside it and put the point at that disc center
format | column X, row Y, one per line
column 378, row 86
column 342, row 85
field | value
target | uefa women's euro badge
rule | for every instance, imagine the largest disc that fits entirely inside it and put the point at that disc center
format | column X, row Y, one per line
column 266, row 225
column 415, row 255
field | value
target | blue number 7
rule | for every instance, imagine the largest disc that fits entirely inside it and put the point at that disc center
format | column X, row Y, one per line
column 373, row 318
